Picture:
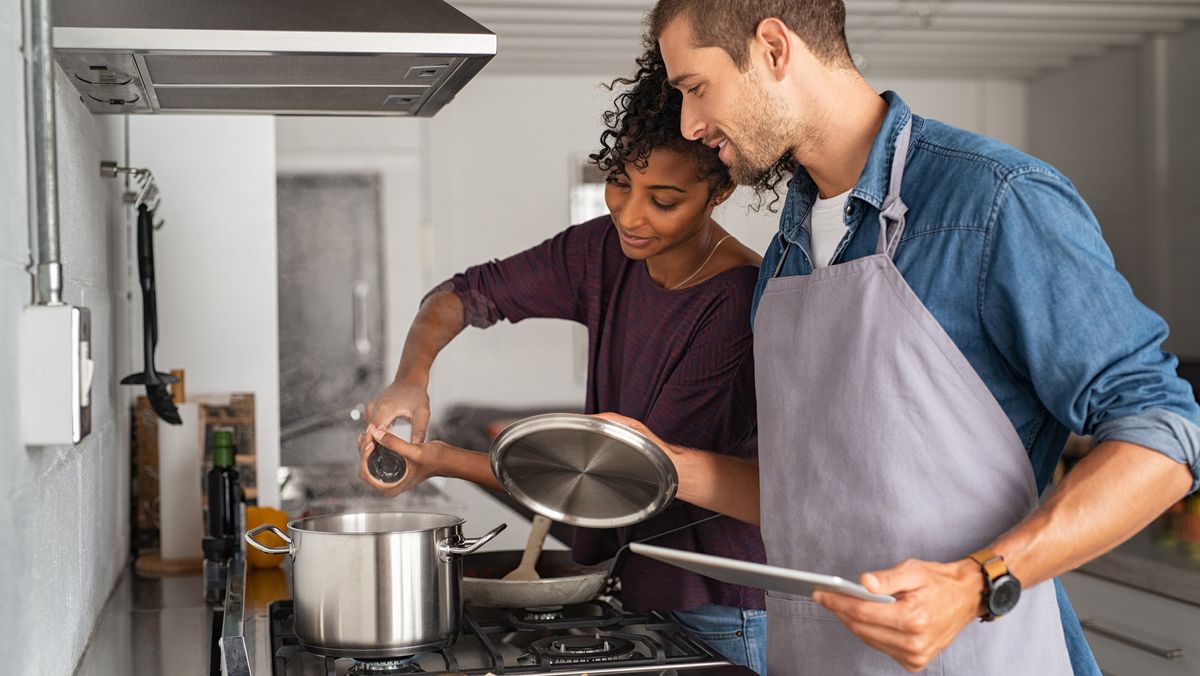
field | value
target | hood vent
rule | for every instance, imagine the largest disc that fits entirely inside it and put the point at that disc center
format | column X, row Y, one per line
column 287, row 57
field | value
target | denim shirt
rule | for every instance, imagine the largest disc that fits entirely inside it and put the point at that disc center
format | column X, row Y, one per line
column 1009, row 259
column 1005, row 254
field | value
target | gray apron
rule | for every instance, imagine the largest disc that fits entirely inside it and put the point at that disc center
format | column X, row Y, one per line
column 878, row 443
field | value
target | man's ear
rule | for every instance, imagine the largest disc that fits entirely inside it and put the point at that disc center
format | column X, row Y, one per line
column 774, row 43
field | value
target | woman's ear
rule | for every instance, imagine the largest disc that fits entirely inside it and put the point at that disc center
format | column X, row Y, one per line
column 721, row 195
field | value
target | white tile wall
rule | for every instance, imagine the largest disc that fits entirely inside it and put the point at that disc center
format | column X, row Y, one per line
column 63, row 510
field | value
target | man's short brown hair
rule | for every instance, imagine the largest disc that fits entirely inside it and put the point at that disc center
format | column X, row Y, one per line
column 731, row 24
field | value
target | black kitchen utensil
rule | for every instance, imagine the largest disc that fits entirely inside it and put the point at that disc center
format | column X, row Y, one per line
column 156, row 383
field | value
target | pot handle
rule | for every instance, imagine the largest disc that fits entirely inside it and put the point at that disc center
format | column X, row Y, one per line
column 249, row 537
column 469, row 545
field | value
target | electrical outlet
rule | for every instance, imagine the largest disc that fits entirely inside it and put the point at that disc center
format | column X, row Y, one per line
column 56, row 374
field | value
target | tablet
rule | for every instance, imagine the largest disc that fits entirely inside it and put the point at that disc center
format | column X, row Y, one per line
column 758, row 575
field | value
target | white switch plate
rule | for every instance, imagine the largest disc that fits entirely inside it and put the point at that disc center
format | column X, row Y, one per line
column 56, row 374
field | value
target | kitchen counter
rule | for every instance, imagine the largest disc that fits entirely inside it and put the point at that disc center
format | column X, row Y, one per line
column 1144, row 564
column 162, row 627
column 151, row 628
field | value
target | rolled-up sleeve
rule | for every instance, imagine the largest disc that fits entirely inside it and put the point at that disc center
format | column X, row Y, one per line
column 545, row 281
column 1053, row 302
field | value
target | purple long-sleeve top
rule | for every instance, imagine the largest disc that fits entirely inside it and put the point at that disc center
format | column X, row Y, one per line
column 680, row 361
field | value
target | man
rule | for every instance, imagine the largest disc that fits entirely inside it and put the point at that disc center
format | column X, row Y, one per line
column 935, row 314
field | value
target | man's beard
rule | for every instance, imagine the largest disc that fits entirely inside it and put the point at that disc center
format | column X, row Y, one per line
column 770, row 137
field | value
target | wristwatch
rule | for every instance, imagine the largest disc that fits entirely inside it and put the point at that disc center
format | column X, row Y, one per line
column 1001, row 589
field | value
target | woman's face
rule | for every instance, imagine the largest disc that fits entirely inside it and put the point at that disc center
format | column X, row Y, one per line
column 657, row 208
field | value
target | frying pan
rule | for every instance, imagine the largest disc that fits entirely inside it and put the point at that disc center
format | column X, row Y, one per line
column 563, row 582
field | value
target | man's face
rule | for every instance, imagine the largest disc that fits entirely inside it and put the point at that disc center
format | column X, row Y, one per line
column 724, row 107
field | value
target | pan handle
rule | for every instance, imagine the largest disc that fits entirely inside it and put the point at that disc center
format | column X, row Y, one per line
column 618, row 561
column 469, row 545
column 264, row 548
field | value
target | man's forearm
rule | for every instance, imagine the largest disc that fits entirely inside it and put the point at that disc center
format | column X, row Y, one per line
column 438, row 322
column 722, row 483
column 1114, row 492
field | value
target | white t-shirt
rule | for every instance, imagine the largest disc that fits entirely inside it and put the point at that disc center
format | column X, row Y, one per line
column 828, row 226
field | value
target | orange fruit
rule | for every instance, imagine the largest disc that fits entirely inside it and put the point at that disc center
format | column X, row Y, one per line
column 256, row 516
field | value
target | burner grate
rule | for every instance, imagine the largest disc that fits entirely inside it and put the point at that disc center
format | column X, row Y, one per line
column 395, row 667
column 585, row 649
column 597, row 634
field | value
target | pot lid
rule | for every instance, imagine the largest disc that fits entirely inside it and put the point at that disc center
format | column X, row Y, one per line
column 583, row 471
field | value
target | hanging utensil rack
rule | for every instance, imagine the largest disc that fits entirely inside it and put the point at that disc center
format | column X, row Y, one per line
column 147, row 191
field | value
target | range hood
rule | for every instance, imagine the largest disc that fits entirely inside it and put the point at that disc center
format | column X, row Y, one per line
column 288, row 57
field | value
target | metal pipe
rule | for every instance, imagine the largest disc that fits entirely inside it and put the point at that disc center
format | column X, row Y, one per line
column 45, row 152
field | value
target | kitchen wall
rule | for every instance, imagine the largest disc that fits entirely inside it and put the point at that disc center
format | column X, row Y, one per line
column 1122, row 127
column 63, row 510
column 498, row 163
column 215, row 261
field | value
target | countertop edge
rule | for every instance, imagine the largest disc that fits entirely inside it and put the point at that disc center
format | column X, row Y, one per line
column 1146, row 574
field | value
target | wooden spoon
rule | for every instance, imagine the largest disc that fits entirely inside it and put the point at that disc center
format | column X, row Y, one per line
column 525, row 571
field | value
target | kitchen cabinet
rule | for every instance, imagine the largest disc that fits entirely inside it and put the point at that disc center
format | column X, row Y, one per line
column 1134, row 632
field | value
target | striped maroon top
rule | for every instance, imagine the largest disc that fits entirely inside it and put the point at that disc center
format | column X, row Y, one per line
column 680, row 361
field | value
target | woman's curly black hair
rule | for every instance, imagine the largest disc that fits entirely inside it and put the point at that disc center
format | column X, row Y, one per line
column 645, row 117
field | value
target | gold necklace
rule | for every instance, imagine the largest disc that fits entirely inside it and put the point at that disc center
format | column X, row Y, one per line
column 706, row 260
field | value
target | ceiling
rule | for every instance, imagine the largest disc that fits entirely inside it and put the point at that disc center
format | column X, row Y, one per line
column 915, row 38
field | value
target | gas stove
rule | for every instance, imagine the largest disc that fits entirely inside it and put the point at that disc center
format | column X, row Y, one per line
column 590, row 638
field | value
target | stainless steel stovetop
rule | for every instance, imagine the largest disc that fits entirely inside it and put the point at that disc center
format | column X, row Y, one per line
column 592, row 638
column 257, row 639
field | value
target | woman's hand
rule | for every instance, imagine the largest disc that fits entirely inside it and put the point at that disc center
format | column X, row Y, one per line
column 722, row 483
column 639, row 426
column 401, row 400
column 421, row 460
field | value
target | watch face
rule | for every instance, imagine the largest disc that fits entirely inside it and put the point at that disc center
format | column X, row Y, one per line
column 1006, row 590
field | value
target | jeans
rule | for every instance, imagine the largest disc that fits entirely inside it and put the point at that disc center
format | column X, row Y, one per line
column 1083, row 663
column 740, row 634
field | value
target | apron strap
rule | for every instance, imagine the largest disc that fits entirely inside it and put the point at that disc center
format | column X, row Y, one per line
column 891, row 215
column 782, row 255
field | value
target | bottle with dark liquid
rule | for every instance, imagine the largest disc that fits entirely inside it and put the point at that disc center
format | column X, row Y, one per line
column 223, row 521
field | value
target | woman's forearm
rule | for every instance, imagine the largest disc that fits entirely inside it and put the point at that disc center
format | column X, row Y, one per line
column 438, row 322
column 460, row 463
column 721, row 483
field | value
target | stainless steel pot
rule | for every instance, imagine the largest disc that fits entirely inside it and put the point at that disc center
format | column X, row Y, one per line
column 375, row 585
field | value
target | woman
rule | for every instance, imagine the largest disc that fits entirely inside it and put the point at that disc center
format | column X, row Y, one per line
column 665, row 293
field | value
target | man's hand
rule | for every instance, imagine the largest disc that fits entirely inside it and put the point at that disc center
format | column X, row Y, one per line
column 934, row 601
column 420, row 459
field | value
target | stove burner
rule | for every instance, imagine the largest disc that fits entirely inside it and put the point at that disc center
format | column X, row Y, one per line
column 389, row 667
column 543, row 614
column 590, row 614
column 584, row 649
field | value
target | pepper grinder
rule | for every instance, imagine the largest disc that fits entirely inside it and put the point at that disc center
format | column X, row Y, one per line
column 386, row 465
